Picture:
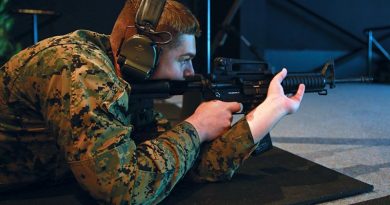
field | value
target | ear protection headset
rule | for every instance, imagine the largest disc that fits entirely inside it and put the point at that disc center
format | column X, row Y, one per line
column 138, row 55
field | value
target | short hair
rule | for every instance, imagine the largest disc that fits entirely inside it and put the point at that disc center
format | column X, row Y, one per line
column 176, row 19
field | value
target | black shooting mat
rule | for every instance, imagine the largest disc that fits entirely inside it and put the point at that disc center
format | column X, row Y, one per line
column 275, row 177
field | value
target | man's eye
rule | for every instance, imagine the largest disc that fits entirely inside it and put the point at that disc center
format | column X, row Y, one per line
column 185, row 60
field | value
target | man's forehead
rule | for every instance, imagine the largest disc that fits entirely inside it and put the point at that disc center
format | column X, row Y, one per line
column 187, row 44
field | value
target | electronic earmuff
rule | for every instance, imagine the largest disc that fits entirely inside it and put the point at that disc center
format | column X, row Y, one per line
column 138, row 58
column 138, row 55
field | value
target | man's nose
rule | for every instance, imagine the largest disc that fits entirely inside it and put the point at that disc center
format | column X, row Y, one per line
column 189, row 71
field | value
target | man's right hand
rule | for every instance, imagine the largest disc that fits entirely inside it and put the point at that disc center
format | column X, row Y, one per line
column 212, row 119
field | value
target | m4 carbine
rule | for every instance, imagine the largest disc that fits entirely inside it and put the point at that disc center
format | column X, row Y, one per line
column 237, row 80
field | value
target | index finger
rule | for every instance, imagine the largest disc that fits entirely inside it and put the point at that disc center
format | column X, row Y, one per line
column 234, row 106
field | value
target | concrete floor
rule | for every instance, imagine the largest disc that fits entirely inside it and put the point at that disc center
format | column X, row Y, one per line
column 347, row 131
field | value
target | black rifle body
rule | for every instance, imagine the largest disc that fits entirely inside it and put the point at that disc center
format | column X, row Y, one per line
column 236, row 80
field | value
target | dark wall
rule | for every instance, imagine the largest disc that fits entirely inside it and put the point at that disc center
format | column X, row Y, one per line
column 97, row 15
column 292, row 37
column 283, row 34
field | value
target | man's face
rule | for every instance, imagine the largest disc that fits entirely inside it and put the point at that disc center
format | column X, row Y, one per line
column 176, row 63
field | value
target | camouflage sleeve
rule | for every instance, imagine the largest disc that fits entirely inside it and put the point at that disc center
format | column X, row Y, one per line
column 220, row 158
column 122, row 173
column 101, row 152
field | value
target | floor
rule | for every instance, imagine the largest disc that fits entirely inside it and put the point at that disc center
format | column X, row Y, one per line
column 348, row 131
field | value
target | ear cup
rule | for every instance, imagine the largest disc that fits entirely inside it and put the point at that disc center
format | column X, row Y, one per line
column 138, row 58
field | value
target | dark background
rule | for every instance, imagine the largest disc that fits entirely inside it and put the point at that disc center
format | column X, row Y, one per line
column 284, row 34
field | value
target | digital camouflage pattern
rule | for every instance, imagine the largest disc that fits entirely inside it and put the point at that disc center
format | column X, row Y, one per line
column 64, row 108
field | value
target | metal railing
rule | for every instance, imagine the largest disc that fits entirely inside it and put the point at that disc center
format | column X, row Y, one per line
column 371, row 42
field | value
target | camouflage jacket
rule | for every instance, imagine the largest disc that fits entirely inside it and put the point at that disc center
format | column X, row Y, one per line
column 64, row 108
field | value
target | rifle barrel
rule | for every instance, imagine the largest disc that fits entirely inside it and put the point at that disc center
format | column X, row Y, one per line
column 362, row 79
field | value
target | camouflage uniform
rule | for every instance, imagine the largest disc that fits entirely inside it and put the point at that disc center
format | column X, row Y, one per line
column 64, row 108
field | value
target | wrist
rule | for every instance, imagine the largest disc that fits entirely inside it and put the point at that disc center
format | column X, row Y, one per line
column 197, row 127
column 264, row 117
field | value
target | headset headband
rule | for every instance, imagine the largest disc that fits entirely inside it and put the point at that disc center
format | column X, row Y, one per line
column 149, row 13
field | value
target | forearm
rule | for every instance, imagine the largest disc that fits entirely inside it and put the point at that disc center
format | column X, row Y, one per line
column 264, row 117
column 166, row 159
column 145, row 174
column 220, row 158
